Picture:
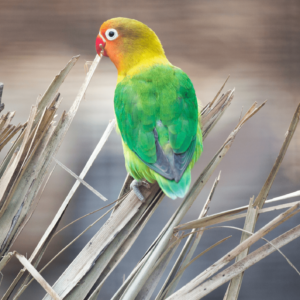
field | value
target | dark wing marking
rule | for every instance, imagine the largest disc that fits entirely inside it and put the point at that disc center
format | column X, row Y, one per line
column 182, row 160
column 171, row 166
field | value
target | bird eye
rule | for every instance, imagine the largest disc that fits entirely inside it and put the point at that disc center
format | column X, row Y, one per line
column 111, row 34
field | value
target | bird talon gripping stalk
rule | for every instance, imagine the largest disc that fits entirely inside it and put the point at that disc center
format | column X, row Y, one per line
column 135, row 187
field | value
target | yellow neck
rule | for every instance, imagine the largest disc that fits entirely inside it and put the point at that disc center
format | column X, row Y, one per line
column 141, row 66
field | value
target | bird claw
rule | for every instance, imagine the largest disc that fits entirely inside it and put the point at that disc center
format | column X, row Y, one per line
column 135, row 187
column 145, row 184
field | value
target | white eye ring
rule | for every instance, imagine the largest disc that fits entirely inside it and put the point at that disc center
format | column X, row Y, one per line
column 111, row 34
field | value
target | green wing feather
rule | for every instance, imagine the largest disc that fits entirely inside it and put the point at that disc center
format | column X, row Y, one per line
column 157, row 114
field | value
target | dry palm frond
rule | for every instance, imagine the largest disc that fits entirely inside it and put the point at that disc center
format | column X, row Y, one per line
column 24, row 170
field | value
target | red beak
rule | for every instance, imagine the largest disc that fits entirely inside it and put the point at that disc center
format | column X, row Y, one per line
column 100, row 46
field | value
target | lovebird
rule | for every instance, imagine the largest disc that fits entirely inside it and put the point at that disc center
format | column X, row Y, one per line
column 155, row 106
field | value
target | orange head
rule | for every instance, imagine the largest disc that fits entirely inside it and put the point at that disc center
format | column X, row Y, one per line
column 128, row 42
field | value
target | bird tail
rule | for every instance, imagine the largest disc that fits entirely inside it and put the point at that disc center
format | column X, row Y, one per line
column 172, row 188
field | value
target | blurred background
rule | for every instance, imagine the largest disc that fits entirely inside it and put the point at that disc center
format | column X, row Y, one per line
column 256, row 42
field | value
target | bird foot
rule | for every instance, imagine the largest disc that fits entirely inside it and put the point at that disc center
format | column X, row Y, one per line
column 135, row 187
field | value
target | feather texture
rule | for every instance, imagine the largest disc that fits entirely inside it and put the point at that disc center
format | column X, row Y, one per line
column 157, row 115
column 155, row 106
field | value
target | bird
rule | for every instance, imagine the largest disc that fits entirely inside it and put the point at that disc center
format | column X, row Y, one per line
column 156, row 108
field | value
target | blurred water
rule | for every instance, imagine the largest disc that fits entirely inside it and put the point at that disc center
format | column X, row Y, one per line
column 256, row 42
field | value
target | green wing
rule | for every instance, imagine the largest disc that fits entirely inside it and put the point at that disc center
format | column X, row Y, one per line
column 157, row 114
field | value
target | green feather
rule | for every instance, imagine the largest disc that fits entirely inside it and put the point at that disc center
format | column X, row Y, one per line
column 162, row 98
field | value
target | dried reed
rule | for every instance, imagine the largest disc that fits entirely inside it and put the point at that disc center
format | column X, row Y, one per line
column 24, row 172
